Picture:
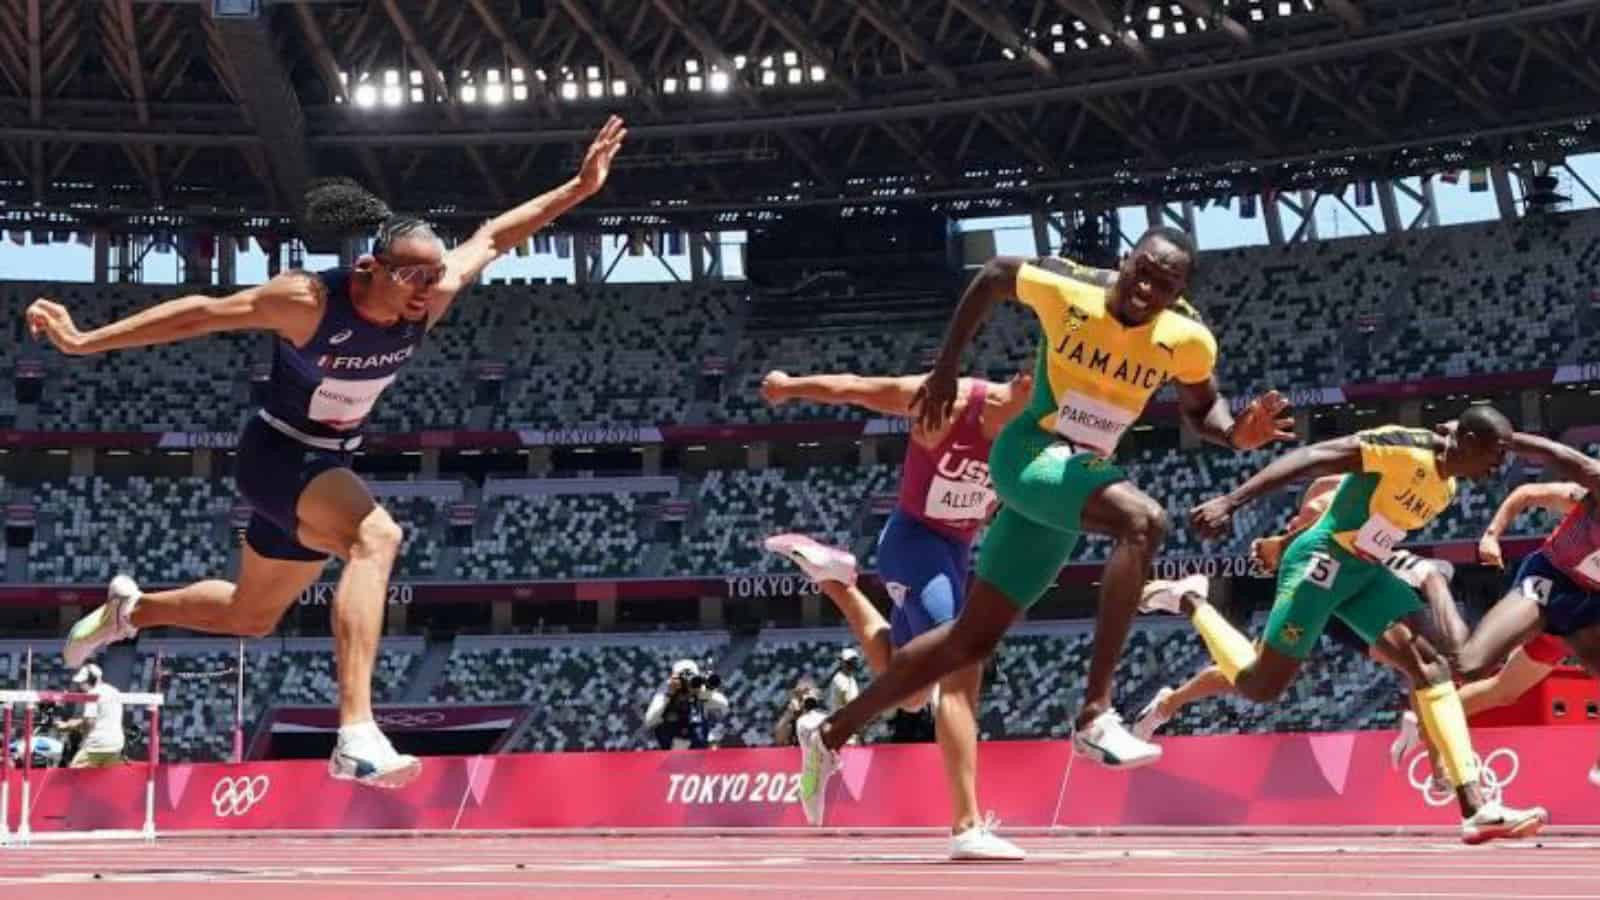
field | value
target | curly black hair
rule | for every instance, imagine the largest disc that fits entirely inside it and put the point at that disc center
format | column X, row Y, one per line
column 340, row 207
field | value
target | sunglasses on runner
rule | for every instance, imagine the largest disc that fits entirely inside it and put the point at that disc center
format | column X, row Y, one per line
column 424, row 275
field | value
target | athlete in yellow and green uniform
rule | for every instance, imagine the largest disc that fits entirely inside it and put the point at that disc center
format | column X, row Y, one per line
column 1396, row 480
column 1111, row 339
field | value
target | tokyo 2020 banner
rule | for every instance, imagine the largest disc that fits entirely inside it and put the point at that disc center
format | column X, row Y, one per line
column 1244, row 781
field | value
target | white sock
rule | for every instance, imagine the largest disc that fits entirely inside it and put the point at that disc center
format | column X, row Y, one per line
column 359, row 733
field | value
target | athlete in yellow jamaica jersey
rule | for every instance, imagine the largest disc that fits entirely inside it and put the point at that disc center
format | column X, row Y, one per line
column 1396, row 480
column 1111, row 339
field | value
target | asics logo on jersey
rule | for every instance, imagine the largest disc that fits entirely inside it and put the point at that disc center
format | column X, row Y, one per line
column 376, row 360
column 341, row 337
column 237, row 796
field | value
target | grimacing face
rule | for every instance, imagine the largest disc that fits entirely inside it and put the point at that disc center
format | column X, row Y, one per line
column 404, row 274
column 1151, row 279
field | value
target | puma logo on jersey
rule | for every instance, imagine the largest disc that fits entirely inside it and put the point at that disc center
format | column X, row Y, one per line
column 341, row 337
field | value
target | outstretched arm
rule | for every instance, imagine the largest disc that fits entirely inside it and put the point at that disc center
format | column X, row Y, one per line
column 935, row 399
column 1565, row 461
column 506, row 231
column 1558, row 497
column 1334, row 457
column 889, row 396
column 290, row 305
column 1205, row 411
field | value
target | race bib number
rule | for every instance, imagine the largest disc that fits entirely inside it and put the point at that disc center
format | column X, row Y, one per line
column 1537, row 589
column 1322, row 571
column 1590, row 567
column 1378, row 537
column 344, row 403
column 1092, row 424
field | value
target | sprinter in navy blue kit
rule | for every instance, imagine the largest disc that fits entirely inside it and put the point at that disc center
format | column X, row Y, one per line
column 342, row 335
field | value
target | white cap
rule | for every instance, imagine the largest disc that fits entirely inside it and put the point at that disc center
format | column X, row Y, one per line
column 87, row 672
column 685, row 668
column 849, row 654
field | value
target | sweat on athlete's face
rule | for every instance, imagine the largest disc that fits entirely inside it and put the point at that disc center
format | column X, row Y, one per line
column 1152, row 277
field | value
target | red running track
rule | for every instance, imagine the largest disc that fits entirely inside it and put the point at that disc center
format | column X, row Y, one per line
column 826, row 865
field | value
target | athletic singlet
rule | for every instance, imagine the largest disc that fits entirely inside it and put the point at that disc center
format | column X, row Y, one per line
column 947, row 487
column 1398, row 490
column 1574, row 547
column 1101, row 372
column 326, row 388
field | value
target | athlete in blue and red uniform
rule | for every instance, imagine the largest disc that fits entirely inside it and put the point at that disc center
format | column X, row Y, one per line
column 923, row 557
column 342, row 335
column 1555, row 595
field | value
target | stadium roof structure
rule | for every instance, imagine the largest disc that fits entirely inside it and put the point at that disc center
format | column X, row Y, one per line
column 128, row 111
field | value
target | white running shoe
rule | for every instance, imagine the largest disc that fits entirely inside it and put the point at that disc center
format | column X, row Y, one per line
column 108, row 624
column 1494, row 821
column 1108, row 742
column 1594, row 775
column 372, row 762
column 1406, row 741
column 817, row 765
column 981, row 843
column 818, row 561
column 1162, row 596
column 1151, row 718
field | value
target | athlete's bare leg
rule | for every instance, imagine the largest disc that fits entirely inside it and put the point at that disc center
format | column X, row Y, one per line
column 338, row 515
column 966, row 641
column 1506, row 626
column 956, row 729
column 252, row 607
column 1138, row 524
column 868, row 625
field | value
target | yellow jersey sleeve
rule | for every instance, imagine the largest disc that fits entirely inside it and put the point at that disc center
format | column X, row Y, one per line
column 1396, row 450
column 1196, row 356
column 1042, row 290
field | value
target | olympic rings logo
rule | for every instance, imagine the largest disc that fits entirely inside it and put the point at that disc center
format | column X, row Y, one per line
column 410, row 719
column 237, row 796
column 1437, row 792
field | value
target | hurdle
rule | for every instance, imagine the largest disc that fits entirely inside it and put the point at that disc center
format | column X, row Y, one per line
column 29, row 700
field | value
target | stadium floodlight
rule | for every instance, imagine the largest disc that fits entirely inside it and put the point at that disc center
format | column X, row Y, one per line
column 392, row 95
column 619, row 88
column 596, row 90
column 366, row 95
column 494, row 93
column 469, row 93
column 569, row 90
column 769, row 78
column 669, row 86
column 719, row 81
column 818, row 73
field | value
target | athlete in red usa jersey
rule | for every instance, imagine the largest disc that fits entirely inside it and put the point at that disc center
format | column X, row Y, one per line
column 923, row 555
column 340, row 338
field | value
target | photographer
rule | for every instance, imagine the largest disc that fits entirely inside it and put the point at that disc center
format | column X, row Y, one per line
column 803, row 698
column 101, row 722
column 680, row 715
column 842, row 684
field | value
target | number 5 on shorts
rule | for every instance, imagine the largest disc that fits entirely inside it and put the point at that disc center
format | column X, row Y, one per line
column 1322, row 570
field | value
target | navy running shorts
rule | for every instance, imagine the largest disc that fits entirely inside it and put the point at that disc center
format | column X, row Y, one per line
column 925, row 574
column 273, row 470
column 1568, row 607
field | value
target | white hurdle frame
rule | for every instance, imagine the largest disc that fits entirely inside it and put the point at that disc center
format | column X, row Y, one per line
column 31, row 699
